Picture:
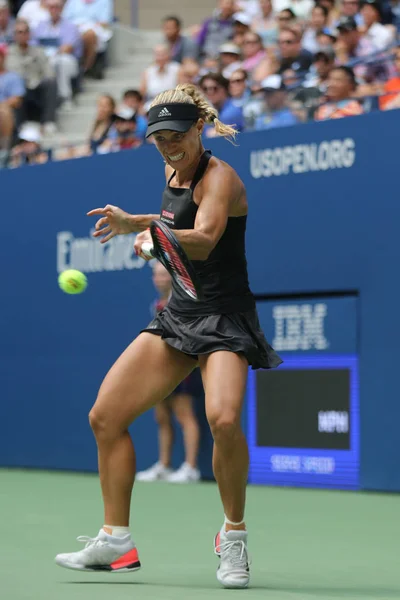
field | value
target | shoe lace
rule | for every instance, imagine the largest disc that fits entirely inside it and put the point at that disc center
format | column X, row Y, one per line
column 89, row 541
column 235, row 552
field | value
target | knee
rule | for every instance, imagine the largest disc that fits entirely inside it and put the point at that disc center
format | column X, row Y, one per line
column 89, row 37
column 101, row 424
column 224, row 425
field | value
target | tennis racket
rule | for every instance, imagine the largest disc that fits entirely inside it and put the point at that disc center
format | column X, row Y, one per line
column 169, row 252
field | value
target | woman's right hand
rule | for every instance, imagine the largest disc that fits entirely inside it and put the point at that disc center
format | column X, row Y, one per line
column 114, row 221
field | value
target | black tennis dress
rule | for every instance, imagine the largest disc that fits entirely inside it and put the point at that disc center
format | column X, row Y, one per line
column 227, row 318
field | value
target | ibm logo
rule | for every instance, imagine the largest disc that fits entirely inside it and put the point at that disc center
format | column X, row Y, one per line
column 300, row 327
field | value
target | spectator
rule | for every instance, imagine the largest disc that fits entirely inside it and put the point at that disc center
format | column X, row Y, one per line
column 326, row 38
column 292, row 56
column 381, row 36
column 341, row 87
column 28, row 149
column 32, row 64
column 276, row 113
column 238, row 88
column 161, row 75
column 241, row 26
column 93, row 19
column 229, row 56
column 301, row 8
column 298, row 109
column 12, row 91
column 33, row 12
column 318, row 21
column 180, row 46
column 210, row 64
column 62, row 43
column 103, row 122
column 189, row 72
column 350, row 8
column 217, row 30
column 352, row 45
column 266, row 25
column 179, row 403
column 216, row 88
column 392, row 87
column 395, row 9
column 6, row 23
column 133, row 99
column 253, row 52
column 286, row 18
column 266, row 67
column 122, row 134
column 333, row 13
column 323, row 62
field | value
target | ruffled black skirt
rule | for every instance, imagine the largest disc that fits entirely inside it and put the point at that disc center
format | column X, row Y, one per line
column 236, row 332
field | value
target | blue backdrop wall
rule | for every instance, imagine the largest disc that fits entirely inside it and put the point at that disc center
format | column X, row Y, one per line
column 323, row 218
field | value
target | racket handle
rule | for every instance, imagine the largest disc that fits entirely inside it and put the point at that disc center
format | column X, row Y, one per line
column 147, row 249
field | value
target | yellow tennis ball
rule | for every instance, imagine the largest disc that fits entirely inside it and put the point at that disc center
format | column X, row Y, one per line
column 72, row 281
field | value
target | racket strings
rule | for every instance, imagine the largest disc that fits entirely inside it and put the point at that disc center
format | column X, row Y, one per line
column 176, row 263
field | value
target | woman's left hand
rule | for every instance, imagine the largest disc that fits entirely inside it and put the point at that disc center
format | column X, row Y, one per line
column 144, row 236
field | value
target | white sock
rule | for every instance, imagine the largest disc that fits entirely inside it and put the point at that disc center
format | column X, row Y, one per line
column 118, row 532
column 228, row 522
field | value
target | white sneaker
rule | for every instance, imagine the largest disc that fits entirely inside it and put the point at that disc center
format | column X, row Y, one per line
column 231, row 547
column 156, row 473
column 185, row 474
column 102, row 553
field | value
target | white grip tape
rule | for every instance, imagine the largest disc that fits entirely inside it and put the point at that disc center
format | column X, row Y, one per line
column 147, row 249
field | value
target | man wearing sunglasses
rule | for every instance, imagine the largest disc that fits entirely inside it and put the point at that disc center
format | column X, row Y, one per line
column 292, row 55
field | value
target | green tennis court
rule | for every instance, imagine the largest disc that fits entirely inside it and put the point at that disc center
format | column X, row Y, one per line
column 305, row 544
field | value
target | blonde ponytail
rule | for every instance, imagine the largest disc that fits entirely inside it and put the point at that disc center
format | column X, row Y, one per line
column 187, row 93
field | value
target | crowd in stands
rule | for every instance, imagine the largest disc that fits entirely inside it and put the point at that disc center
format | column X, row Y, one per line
column 261, row 63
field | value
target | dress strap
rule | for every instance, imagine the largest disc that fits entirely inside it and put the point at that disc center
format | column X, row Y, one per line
column 201, row 168
column 171, row 178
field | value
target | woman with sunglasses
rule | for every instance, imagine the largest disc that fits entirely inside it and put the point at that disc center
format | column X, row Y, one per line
column 216, row 89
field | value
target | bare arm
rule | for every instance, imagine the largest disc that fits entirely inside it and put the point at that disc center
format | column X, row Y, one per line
column 143, row 85
column 14, row 101
column 115, row 221
column 220, row 190
column 142, row 222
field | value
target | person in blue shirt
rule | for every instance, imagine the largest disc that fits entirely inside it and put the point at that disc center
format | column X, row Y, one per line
column 12, row 91
column 134, row 100
column 216, row 89
column 276, row 113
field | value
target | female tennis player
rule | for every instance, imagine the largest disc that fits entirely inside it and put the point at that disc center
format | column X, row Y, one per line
column 204, row 203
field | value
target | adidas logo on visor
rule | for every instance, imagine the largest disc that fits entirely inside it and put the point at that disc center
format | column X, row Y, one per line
column 164, row 113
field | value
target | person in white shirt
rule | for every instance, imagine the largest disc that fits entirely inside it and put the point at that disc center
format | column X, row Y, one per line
column 34, row 12
column 301, row 8
column 62, row 43
column 161, row 75
column 380, row 35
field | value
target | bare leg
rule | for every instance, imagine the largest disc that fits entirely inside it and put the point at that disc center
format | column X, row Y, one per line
column 182, row 405
column 224, row 377
column 6, row 125
column 89, row 48
column 147, row 372
column 165, row 432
